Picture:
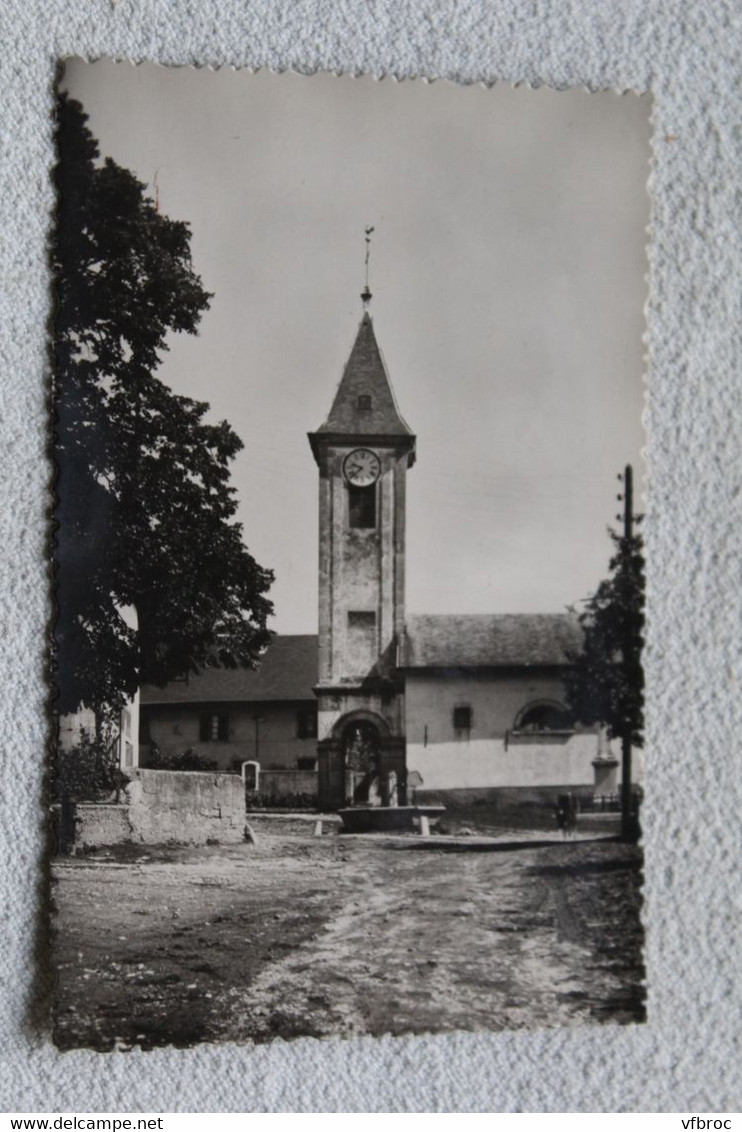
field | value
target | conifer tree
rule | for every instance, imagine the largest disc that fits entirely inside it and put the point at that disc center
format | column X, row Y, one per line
column 605, row 684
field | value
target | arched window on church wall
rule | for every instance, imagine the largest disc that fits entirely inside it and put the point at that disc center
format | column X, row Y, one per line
column 544, row 717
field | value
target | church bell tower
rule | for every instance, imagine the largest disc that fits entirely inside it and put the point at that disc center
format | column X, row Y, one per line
column 363, row 451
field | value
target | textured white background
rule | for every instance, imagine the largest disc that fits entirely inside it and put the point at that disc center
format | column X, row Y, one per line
column 688, row 55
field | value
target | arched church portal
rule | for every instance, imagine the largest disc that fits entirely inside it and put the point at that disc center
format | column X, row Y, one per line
column 361, row 745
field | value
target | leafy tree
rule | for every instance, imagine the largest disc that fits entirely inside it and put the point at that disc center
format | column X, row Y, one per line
column 605, row 684
column 145, row 512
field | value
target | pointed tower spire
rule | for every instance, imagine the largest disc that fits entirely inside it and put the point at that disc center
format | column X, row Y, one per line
column 364, row 409
column 364, row 404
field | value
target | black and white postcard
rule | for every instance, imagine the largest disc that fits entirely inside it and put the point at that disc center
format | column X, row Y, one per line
column 349, row 556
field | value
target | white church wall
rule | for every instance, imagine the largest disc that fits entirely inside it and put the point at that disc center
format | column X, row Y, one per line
column 487, row 763
column 488, row 754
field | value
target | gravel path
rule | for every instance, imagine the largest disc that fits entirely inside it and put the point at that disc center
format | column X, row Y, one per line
column 340, row 936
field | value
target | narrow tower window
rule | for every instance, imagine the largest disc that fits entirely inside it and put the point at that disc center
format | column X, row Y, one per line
column 362, row 506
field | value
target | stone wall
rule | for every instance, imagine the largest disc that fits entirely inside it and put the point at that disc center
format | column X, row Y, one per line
column 101, row 823
column 286, row 783
column 500, row 797
column 186, row 807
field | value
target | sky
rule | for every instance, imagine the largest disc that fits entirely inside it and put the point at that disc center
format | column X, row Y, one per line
column 508, row 270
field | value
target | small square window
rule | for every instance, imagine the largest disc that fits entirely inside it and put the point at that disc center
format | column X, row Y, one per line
column 364, row 402
column 306, row 764
column 361, row 619
column 462, row 718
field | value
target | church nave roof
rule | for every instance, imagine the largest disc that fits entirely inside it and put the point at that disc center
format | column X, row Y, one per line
column 503, row 640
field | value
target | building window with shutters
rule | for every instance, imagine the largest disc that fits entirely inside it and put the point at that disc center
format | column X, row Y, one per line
column 306, row 723
column 214, row 727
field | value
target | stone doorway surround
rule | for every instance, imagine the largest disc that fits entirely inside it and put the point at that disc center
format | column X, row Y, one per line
column 337, row 781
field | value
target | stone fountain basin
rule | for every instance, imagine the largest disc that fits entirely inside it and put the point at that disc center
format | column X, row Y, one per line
column 385, row 819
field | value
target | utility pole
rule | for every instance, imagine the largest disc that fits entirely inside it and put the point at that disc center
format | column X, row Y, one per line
column 627, row 660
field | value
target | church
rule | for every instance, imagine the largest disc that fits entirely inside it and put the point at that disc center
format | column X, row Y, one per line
column 436, row 704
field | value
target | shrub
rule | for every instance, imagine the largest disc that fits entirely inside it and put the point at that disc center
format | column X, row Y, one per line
column 256, row 801
column 180, row 760
column 89, row 771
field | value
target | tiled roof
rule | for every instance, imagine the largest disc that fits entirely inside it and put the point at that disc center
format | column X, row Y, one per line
column 287, row 671
column 365, row 375
column 483, row 641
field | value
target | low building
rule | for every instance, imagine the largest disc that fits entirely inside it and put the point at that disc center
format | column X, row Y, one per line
column 232, row 717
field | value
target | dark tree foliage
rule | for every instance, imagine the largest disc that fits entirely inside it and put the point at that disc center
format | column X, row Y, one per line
column 145, row 514
column 606, row 683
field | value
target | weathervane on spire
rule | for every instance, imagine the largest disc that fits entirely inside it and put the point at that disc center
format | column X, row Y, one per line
column 366, row 294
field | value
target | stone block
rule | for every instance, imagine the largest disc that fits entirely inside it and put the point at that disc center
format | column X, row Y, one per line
column 186, row 807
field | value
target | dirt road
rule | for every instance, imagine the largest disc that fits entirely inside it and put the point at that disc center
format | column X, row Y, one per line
column 341, row 937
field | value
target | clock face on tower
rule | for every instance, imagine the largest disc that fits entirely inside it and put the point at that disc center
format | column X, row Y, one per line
column 361, row 467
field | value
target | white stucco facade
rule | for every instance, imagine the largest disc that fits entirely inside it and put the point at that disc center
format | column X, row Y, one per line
column 492, row 752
